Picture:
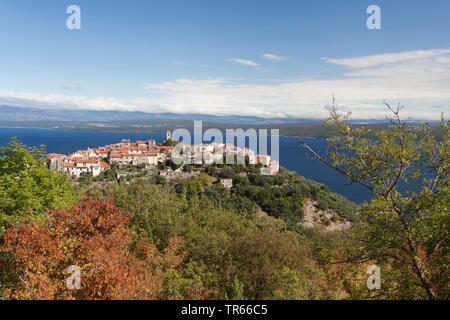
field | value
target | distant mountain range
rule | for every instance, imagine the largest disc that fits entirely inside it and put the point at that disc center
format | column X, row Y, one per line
column 12, row 113
column 122, row 121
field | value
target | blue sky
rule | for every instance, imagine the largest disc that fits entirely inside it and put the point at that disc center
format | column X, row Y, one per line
column 263, row 58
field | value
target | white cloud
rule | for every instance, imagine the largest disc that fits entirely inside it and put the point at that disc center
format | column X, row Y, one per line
column 420, row 80
column 273, row 57
column 248, row 63
column 392, row 58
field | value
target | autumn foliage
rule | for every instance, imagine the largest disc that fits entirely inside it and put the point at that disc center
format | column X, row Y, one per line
column 93, row 236
column 141, row 240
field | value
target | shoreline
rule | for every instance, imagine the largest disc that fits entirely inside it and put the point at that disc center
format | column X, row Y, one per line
column 130, row 131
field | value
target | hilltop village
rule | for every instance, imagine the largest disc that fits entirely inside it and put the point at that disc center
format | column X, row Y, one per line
column 148, row 155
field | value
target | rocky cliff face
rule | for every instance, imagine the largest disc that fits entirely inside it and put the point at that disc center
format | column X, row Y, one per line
column 328, row 219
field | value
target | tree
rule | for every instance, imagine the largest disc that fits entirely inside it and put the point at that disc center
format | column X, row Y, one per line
column 161, row 165
column 27, row 187
column 86, row 179
column 211, row 170
column 92, row 235
column 405, row 232
column 272, row 265
column 171, row 143
column 204, row 179
column 160, row 179
column 223, row 245
column 227, row 172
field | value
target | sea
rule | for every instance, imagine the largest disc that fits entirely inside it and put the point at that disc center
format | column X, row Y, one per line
column 292, row 155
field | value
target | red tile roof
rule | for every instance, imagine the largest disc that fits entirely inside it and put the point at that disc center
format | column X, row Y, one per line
column 54, row 155
column 103, row 164
column 87, row 161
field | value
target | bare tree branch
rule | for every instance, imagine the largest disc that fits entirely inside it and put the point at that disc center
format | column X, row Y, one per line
column 321, row 159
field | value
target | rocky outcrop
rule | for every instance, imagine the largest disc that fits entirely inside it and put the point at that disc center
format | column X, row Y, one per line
column 327, row 219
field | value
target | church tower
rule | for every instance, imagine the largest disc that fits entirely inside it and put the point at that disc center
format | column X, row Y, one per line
column 168, row 135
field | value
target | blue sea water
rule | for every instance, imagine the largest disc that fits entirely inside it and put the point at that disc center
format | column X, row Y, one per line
column 292, row 155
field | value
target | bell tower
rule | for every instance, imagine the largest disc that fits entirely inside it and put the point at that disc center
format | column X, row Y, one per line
column 168, row 135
